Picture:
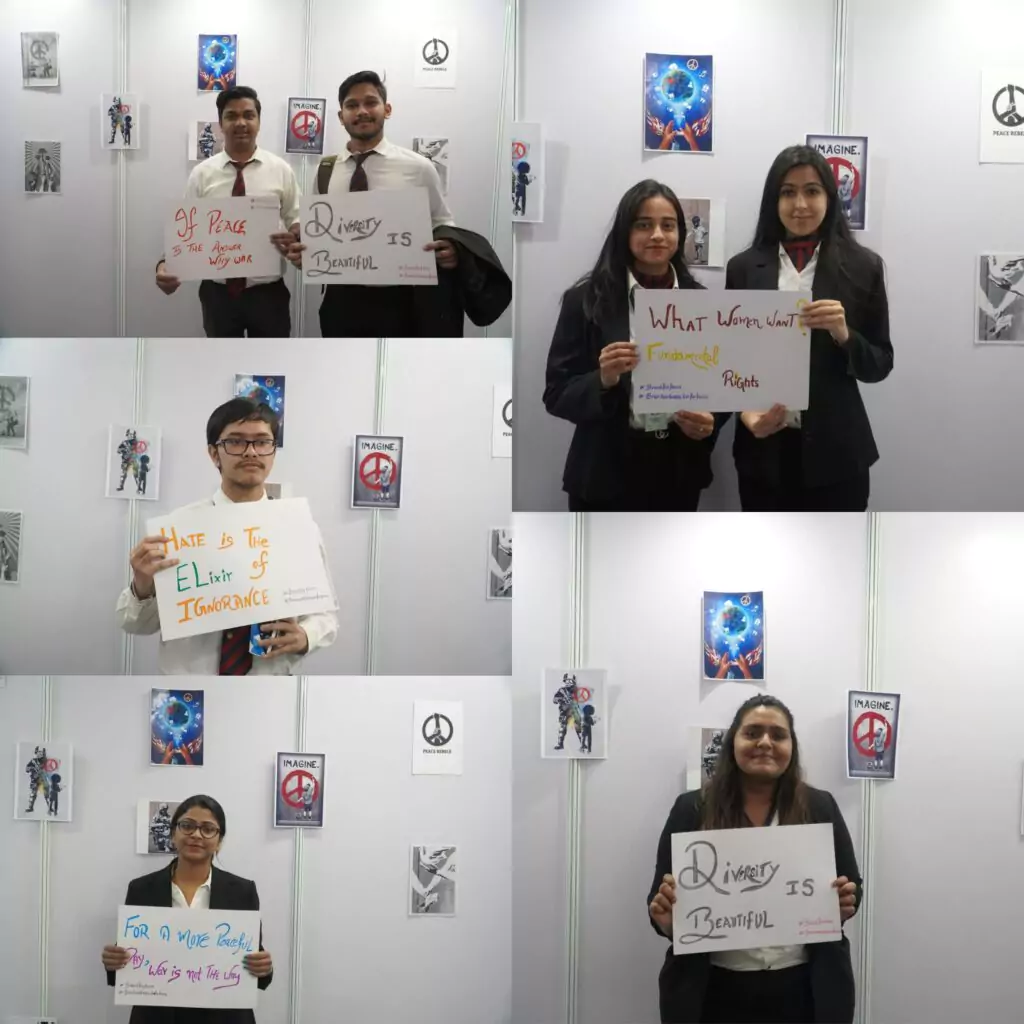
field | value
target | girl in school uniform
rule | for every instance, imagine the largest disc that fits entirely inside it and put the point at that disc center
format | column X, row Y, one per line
column 819, row 459
column 620, row 460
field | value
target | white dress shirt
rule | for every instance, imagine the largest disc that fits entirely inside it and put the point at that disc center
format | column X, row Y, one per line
column 394, row 167
column 201, row 899
column 650, row 421
column 791, row 280
column 200, row 655
column 266, row 175
column 761, row 958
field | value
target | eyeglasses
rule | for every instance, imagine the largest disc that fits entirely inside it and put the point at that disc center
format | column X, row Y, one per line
column 238, row 445
column 189, row 827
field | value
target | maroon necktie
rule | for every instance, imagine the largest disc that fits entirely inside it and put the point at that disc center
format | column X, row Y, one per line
column 800, row 252
column 359, row 182
column 235, row 658
column 236, row 285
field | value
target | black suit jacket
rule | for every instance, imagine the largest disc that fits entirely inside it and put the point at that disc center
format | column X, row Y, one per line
column 227, row 892
column 683, row 979
column 836, row 434
column 595, row 468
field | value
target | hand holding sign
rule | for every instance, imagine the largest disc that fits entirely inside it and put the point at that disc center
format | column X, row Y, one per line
column 827, row 315
column 616, row 359
column 662, row 904
column 147, row 558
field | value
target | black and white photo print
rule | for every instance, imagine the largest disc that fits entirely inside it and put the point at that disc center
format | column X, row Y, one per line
column 436, row 151
column 1001, row 299
column 432, row 881
column 499, row 565
column 42, row 167
column 39, row 67
column 10, row 546
column 13, row 412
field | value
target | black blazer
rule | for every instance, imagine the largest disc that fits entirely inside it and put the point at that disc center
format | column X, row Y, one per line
column 683, row 979
column 227, row 892
column 595, row 468
column 837, row 439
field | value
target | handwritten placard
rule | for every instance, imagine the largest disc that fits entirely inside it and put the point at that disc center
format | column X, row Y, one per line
column 240, row 564
column 741, row 888
column 220, row 238
column 720, row 351
column 187, row 957
column 374, row 237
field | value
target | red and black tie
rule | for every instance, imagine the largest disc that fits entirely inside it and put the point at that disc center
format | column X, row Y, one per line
column 236, row 285
column 801, row 251
column 235, row 657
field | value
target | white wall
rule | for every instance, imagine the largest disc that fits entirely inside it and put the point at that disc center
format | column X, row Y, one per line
column 594, row 153
column 432, row 615
column 353, row 874
column 644, row 581
column 161, row 67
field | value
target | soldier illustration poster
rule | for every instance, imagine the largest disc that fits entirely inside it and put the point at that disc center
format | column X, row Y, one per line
column 847, row 155
column 1000, row 300
column 42, row 167
column 734, row 635
column 437, row 743
column 40, row 67
column 299, row 791
column 703, row 745
column 527, row 173
column 304, row 132
column 119, row 121
column 872, row 726
column 133, row 462
column 377, row 472
column 13, row 411
column 679, row 92
column 266, row 389
column 153, row 826
column 1002, row 115
column 218, row 63
column 205, row 139
column 574, row 713
column 436, row 151
column 432, row 881
column 43, row 781
column 499, row 564
column 10, row 546
column 176, row 727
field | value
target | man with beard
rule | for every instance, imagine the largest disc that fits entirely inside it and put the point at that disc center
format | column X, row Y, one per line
column 259, row 307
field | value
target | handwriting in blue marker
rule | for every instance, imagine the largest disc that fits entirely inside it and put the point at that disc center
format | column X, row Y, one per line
column 239, row 942
column 191, row 940
column 137, row 931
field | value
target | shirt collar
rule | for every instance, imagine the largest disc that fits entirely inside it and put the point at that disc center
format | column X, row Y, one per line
column 208, row 884
column 632, row 283
column 383, row 148
column 812, row 262
column 225, row 160
column 220, row 498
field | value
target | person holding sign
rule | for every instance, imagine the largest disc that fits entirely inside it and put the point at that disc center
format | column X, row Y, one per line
column 817, row 460
column 192, row 881
column 471, row 281
column 620, row 460
column 757, row 781
column 241, row 440
column 259, row 307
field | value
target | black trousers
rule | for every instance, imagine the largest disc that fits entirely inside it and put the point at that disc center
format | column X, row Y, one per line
column 263, row 311
column 793, row 495
column 759, row 997
column 368, row 311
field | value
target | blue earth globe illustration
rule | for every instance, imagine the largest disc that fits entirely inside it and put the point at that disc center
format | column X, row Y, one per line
column 677, row 86
column 733, row 621
column 176, row 714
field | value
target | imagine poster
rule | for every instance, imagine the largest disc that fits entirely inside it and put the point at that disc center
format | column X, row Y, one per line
column 42, row 167
column 435, row 149
column 13, row 411
column 734, row 635
column 40, row 67
column 176, row 724
column 847, row 155
column 679, row 93
column 266, row 389
column 1000, row 299
column 43, row 781
column 133, row 462
column 10, row 546
column 377, row 472
column 574, row 713
column 217, row 63
column 432, row 881
column 299, row 791
column 304, row 133
column 872, row 726
column 119, row 121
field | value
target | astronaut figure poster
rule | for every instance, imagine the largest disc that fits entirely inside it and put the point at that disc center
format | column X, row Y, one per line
column 377, row 472
column 432, row 881
column 1000, row 300
column 574, row 713
column 305, row 131
column 42, row 168
column 847, row 155
column 10, row 545
column 119, row 121
column 39, row 65
column 43, row 781
column 265, row 389
column 176, row 727
column 153, row 826
column 734, row 636
column 218, row 63
column 872, row 724
column 133, row 462
column 703, row 745
column 299, row 791
column 205, row 139
column 499, row 564
column 527, row 169
column 679, row 92
column 13, row 412
column 435, row 149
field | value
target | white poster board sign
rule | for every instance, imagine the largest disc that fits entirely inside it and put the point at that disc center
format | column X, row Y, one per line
column 374, row 237
column 720, row 351
column 741, row 888
column 187, row 957
column 240, row 564
column 206, row 239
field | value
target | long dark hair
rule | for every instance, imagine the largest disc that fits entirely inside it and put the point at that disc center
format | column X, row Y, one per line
column 850, row 263
column 604, row 293
column 721, row 803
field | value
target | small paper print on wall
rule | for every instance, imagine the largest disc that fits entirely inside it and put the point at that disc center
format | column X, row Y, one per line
column 133, row 462
column 10, row 546
column 678, row 103
column 264, row 389
column 13, row 412
column 527, row 153
column 574, row 714
column 39, row 64
column 1000, row 298
column 436, row 58
column 734, row 635
column 432, row 881
column 119, row 121
column 847, row 155
column 176, row 726
column 153, row 826
column 436, row 151
column 43, row 781
column 217, row 64
column 42, row 168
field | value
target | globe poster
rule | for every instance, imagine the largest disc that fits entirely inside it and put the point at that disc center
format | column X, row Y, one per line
column 679, row 93
column 734, row 635
column 176, row 726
